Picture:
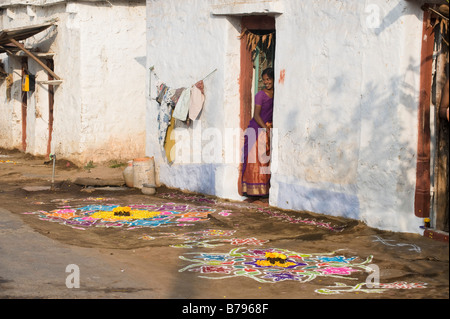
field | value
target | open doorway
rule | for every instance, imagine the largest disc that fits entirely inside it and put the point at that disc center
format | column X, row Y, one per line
column 432, row 174
column 51, row 100
column 24, row 100
column 257, row 53
column 440, row 127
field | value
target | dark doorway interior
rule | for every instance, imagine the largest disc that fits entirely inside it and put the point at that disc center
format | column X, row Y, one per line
column 257, row 53
column 51, row 100
column 24, row 102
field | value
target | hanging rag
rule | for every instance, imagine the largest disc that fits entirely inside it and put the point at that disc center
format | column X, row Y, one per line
column 182, row 124
column 170, row 142
column 168, row 98
column 182, row 107
column 176, row 96
column 196, row 100
column 161, row 91
column 164, row 112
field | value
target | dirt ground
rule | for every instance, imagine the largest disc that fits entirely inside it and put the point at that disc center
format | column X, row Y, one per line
column 410, row 266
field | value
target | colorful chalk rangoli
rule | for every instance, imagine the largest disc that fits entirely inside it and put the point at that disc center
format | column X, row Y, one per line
column 208, row 238
column 192, row 236
column 130, row 216
column 339, row 288
column 274, row 265
column 265, row 265
column 271, row 213
column 256, row 264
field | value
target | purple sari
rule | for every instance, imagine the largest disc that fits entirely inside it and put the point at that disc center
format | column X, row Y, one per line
column 254, row 182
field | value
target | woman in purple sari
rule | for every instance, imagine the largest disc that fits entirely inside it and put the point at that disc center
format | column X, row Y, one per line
column 256, row 153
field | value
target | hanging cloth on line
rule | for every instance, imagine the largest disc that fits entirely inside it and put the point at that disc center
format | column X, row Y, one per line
column 170, row 142
column 161, row 91
column 196, row 100
column 174, row 106
column 182, row 106
column 176, row 95
column 165, row 112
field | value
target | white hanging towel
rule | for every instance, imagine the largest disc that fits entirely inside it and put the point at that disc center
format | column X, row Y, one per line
column 182, row 107
column 196, row 101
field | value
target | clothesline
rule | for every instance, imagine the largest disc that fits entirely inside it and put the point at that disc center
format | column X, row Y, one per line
column 177, row 107
column 152, row 70
column 209, row 75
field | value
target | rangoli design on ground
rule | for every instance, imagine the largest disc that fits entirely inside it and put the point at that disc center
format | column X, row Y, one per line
column 265, row 265
column 340, row 288
column 274, row 214
column 253, row 263
column 208, row 238
column 274, row 265
column 130, row 216
column 299, row 220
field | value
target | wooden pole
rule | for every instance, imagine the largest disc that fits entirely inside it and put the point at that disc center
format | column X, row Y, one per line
column 20, row 46
column 422, row 198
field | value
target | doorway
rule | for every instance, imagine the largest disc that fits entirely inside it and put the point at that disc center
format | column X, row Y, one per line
column 51, row 101
column 432, row 174
column 440, row 130
column 257, row 52
column 24, row 100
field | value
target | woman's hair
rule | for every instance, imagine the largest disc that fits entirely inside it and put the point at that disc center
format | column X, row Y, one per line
column 268, row 72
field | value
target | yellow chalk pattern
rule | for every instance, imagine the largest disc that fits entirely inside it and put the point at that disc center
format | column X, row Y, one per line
column 124, row 213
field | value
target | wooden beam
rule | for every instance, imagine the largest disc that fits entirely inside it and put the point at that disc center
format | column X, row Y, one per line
column 31, row 55
column 42, row 55
column 50, row 82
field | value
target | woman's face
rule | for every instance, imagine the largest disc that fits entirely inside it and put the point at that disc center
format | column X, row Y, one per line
column 268, row 82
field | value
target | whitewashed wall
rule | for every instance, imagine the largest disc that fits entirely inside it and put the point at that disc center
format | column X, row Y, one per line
column 345, row 109
column 347, row 143
column 113, row 80
column 100, row 55
column 37, row 105
column 185, row 43
column 10, row 112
